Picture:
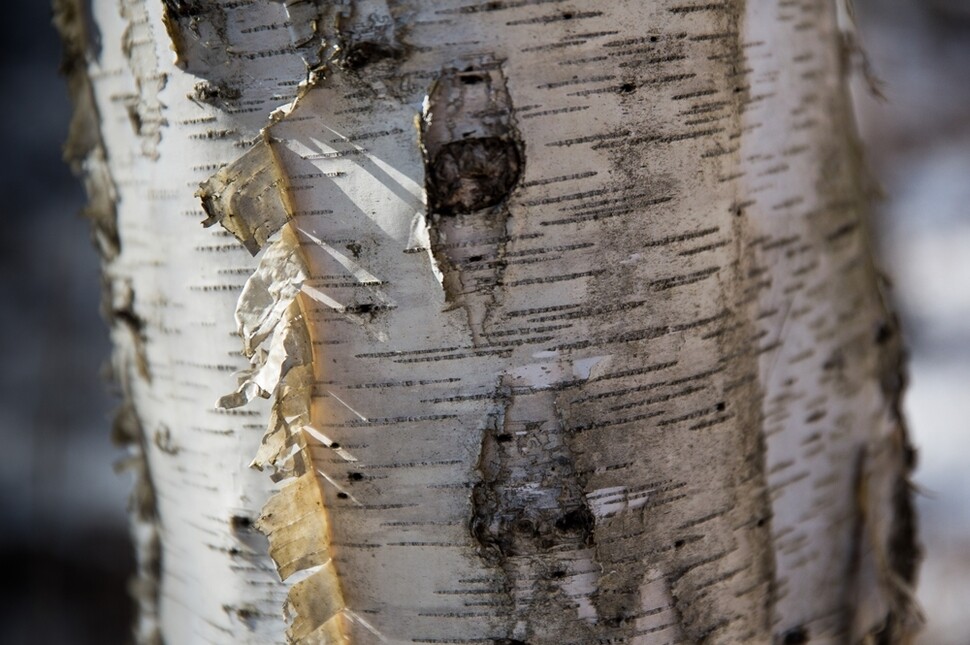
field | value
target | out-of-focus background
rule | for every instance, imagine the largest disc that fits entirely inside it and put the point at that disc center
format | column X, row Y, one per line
column 64, row 550
column 918, row 144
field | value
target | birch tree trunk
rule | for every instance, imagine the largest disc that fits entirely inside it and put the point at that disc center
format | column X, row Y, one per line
column 555, row 321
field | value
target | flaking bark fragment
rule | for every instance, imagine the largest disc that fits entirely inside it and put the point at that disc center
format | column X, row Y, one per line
column 270, row 291
column 123, row 313
column 282, row 445
column 316, row 606
column 295, row 522
column 288, row 348
column 248, row 196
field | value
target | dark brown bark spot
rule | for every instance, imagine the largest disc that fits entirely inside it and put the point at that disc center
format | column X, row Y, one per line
column 240, row 523
column 795, row 636
column 467, row 176
column 367, row 52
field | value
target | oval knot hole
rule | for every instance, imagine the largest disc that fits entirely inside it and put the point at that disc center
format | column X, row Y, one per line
column 473, row 174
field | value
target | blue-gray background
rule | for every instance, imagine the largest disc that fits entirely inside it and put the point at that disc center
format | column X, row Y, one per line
column 64, row 553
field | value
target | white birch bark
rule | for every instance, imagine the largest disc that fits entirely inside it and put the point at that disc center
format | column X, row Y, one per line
column 563, row 314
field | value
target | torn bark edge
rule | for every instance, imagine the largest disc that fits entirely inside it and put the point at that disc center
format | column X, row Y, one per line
column 145, row 586
column 84, row 149
column 898, row 550
column 249, row 198
column 903, row 550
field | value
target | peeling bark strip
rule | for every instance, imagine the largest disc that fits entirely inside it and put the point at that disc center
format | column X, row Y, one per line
column 246, row 197
column 563, row 315
column 294, row 519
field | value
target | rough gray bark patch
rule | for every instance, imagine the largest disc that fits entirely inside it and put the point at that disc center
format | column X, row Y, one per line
column 530, row 500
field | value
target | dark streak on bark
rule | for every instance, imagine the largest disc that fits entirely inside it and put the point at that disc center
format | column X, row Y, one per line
column 753, row 446
column 858, row 537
